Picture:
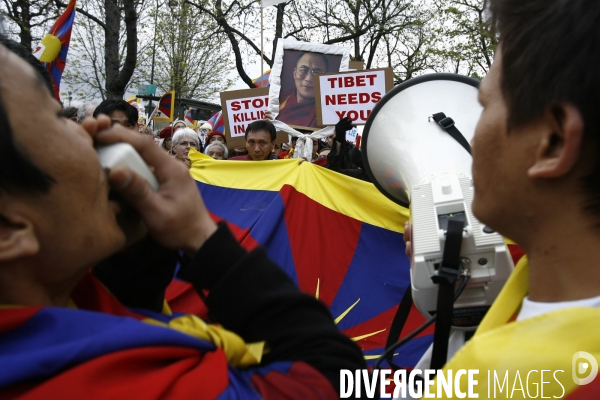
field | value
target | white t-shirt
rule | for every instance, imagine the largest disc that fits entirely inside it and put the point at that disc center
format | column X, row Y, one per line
column 530, row 309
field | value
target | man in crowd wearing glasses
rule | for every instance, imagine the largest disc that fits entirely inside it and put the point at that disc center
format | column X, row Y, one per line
column 298, row 106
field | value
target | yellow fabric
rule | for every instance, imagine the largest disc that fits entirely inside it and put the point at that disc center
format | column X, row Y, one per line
column 52, row 49
column 348, row 196
column 239, row 353
column 545, row 342
column 198, row 155
column 509, row 300
column 166, row 308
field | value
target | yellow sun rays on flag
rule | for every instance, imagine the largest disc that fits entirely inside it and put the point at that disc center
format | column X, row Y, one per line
column 343, row 315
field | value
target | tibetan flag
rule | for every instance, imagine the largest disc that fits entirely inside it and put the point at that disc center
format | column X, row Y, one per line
column 52, row 50
column 189, row 121
column 216, row 122
column 101, row 350
column 166, row 107
column 338, row 238
column 133, row 99
column 262, row 81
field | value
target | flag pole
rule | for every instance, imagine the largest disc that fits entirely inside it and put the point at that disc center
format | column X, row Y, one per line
column 153, row 112
column 262, row 72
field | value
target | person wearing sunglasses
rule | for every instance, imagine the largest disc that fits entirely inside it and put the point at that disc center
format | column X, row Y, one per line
column 298, row 106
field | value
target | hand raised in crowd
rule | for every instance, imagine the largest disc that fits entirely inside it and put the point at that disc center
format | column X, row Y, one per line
column 344, row 124
column 175, row 215
column 268, row 116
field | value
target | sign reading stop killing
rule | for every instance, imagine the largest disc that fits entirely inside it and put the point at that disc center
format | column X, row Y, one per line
column 241, row 108
column 350, row 94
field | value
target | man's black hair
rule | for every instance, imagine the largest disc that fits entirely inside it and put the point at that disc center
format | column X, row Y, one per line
column 69, row 112
column 26, row 55
column 108, row 106
column 323, row 56
column 262, row 125
column 17, row 171
column 551, row 55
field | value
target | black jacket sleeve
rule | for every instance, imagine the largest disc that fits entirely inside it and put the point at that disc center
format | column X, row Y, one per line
column 139, row 275
column 253, row 297
column 346, row 159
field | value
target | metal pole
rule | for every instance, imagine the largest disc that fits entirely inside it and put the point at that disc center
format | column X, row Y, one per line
column 149, row 121
column 262, row 72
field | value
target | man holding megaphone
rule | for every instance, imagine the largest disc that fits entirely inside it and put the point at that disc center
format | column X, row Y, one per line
column 537, row 180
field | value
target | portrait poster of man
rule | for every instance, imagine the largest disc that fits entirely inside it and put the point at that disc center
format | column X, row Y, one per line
column 292, row 90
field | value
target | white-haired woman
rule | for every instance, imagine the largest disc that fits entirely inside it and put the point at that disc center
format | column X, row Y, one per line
column 217, row 150
column 183, row 139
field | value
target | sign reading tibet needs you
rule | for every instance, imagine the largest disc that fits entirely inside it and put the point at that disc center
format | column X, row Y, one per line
column 350, row 94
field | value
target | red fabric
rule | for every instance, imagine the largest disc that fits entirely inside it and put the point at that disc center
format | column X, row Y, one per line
column 298, row 208
column 381, row 321
column 516, row 252
column 302, row 382
column 166, row 132
column 215, row 133
column 182, row 297
column 414, row 320
column 301, row 114
column 591, row 391
column 12, row 318
column 142, row 373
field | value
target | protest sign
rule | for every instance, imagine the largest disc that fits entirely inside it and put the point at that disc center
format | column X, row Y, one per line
column 350, row 94
column 241, row 107
column 356, row 65
column 295, row 65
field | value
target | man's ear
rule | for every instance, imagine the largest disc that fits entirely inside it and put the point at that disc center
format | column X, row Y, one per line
column 17, row 237
column 560, row 146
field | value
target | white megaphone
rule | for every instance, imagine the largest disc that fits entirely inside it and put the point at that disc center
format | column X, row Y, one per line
column 414, row 156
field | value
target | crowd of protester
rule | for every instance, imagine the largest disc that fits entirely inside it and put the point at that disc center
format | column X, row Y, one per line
column 177, row 138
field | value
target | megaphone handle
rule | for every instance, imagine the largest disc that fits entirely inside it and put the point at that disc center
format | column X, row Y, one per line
column 398, row 324
column 446, row 278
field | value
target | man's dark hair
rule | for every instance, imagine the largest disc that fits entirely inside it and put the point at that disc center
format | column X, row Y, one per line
column 108, row 106
column 17, row 171
column 69, row 112
column 551, row 55
column 26, row 55
column 323, row 56
column 262, row 125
